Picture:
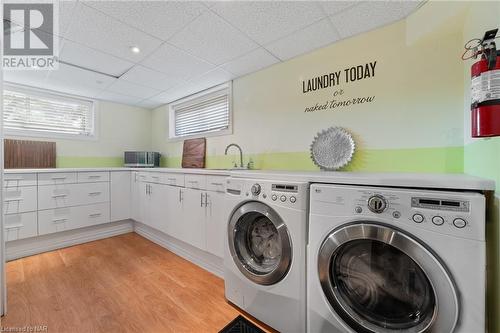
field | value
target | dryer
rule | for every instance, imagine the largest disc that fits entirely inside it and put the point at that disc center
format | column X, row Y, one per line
column 265, row 251
column 395, row 260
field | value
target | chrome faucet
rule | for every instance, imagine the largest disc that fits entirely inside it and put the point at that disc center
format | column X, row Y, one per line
column 241, row 152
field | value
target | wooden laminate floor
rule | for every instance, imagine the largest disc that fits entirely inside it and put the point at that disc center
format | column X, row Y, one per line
column 119, row 284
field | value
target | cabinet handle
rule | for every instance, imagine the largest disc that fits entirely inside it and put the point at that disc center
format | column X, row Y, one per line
column 94, row 193
column 14, row 179
column 217, row 184
column 58, row 178
column 14, row 226
column 171, row 179
column 180, row 195
column 59, row 220
column 150, row 189
column 206, row 199
column 59, row 196
column 155, row 177
column 95, row 215
column 11, row 200
column 201, row 199
column 94, row 176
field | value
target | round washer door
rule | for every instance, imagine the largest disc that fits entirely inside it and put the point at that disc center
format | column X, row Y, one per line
column 378, row 279
column 259, row 243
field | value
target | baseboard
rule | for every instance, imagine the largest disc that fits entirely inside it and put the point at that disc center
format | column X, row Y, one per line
column 205, row 260
column 31, row 246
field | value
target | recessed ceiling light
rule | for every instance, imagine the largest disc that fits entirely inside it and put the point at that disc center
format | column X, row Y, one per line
column 135, row 49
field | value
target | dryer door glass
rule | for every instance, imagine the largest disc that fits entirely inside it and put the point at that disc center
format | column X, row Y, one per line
column 382, row 285
column 379, row 279
column 259, row 243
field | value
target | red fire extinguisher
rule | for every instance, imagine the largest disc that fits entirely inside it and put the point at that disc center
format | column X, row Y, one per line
column 485, row 87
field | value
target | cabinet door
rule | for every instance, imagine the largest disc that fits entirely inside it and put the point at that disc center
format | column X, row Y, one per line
column 120, row 195
column 217, row 218
column 193, row 226
column 159, row 206
column 144, row 204
column 174, row 209
column 135, row 196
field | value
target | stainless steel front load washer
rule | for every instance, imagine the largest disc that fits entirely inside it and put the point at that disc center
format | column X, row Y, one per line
column 265, row 257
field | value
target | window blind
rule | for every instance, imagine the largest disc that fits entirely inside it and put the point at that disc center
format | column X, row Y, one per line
column 204, row 114
column 28, row 113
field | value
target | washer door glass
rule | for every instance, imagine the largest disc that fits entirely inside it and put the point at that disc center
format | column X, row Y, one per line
column 260, row 243
column 382, row 285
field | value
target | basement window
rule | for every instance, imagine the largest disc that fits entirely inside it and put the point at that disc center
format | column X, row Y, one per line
column 207, row 113
column 39, row 113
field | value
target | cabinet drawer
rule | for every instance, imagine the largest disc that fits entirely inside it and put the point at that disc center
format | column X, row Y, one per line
column 92, row 177
column 155, row 177
column 19, row 199
column 216, row 183
column 61, row 219
column 54, row 196
column 53, row 178
column 196, row 181
column 175, row 179
column 19, row 179
column 19, row 226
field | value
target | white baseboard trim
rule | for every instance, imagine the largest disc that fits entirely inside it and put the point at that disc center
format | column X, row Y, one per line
column 31, row 246
column 205, row 260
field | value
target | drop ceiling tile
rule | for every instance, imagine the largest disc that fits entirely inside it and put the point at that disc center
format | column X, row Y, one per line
column 34, row 78
column 131, row 89
column 305, row 40
column 208, row 80
column 209, row 37
column 96, row 30
column 149, row 104
column 118, row 98
column 89, row 58
column 150, row 78
column 176, row 63
column 266, row 21
column 77, row 81
column 334, row 7
column 371, row 15
column 250, row 62
column 159, row 18
column 66, row 9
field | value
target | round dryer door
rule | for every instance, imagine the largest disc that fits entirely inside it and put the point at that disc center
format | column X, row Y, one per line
column 379, row 279
column 260, row 243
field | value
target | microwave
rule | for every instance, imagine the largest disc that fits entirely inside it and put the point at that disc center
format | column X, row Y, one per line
column 142, row 159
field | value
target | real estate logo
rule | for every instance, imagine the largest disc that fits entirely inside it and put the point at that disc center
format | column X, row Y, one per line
column 30, row 35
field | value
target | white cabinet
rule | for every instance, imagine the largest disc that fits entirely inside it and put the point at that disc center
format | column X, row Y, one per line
column 64, row 195
column 67, row 218
column 174, row 203
column 135, row 195
column 19, row 199
column 217, row 218
column 159, row 206
column 19, row 179
column 19, row 226
column 193, row 227
column 120, row 195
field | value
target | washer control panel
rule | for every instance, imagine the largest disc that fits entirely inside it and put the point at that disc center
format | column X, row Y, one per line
column 277, row 192
column 460, row 214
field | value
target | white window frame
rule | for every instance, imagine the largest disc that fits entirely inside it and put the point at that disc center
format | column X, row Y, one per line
column 192, row 98
column 62, row 96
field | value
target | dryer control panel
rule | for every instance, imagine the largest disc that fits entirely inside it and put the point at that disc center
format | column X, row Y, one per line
column 461, row 214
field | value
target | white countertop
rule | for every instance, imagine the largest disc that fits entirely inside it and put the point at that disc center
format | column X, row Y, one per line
column 414, row 180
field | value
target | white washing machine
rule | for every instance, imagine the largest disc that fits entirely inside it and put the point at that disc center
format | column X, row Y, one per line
column 395, row 260
column 265, row 251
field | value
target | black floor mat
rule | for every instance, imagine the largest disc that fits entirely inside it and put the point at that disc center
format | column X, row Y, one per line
column 241, row 325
